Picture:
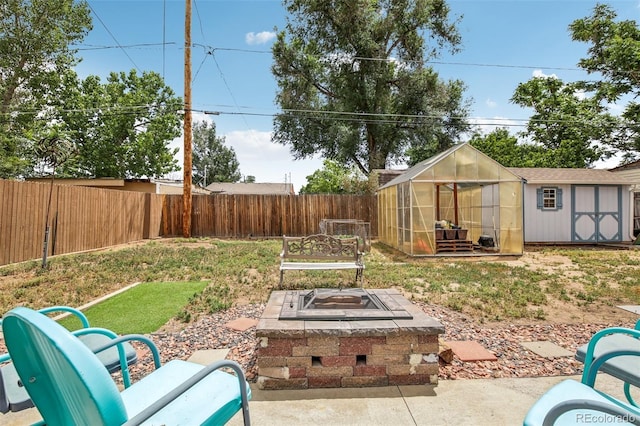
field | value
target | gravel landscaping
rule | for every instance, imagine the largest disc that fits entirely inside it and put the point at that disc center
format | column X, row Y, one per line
column 503, row 340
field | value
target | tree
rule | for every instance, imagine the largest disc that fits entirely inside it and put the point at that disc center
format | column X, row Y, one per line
column 575, row 128
column 614, row 53
column 335, row 178
column 212, row 161
column 122, row 128
column 353, row 83
column 505, row 148
column 34, row 49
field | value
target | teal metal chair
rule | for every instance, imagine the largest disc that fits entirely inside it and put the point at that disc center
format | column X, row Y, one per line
column 14, row 397
column 69, row 385
column 571, row 402
column 624, row 368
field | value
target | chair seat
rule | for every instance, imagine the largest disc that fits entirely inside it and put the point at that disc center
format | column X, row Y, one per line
column 109, row 357
column 625, row 367
column 213, row 400
column 577, row 391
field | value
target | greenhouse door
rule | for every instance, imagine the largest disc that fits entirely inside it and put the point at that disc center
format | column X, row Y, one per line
column 596, row 213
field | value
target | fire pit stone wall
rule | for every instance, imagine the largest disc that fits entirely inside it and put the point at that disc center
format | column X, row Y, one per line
column 301, row 354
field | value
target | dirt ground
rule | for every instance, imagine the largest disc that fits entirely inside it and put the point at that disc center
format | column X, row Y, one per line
column 568, row 313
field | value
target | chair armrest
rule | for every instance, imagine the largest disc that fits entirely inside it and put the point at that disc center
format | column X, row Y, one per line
column 183, row 387
column 124, row 367
column 592, row 365
column 585, row 404
column 134, row 337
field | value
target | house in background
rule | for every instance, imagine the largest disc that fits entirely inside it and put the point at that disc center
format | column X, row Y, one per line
column 576, row 206
column 631, row 171
column 251, row 188
column 151, row 186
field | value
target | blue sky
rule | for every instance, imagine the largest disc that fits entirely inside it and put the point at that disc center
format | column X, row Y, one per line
column 503, row 43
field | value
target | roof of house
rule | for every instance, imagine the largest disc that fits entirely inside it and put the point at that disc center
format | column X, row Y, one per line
column 252, row 188
column 569, row 176
column 634, row 165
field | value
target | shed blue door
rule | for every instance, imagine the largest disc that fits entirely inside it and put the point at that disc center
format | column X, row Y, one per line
column 596, row 213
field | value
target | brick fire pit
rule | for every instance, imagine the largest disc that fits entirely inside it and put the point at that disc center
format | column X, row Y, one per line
column 346, row 352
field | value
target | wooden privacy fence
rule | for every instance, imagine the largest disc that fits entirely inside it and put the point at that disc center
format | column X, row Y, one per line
column 83, row 218
column 242, row 216
column 80, row 219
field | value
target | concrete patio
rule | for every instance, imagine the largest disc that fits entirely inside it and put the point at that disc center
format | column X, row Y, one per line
column 452, row 402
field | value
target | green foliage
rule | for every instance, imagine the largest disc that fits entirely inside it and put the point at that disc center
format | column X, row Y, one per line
column 34, row 50
column 571, row 128
column 353, row 84
column 613, row 54
column 122, row 127
column 212, row 160
column 335, row 178
column 506, row 150
column 142, row 309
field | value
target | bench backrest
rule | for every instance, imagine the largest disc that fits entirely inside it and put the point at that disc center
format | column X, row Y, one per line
column 66, row 381
column 320, row 247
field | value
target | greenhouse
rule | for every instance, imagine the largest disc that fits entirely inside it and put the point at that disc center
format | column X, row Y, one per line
column 458, row 202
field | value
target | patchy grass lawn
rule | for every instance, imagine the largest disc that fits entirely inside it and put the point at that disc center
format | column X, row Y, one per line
column 560, row 285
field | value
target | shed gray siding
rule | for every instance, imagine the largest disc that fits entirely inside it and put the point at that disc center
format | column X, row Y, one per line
column 589, row 214
column 546, row 225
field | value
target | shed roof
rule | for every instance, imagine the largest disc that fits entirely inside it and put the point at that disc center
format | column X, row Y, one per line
column 570, row 176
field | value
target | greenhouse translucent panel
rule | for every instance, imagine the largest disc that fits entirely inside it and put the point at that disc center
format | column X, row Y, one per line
column 445, row 169
column 488, row 170
column 426, row 175
column 423, row 194
column 445, row 202
column 511, row 232
column 424, row 243
column 466, row 165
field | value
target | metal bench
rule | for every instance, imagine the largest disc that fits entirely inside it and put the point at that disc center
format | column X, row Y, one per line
column 321, row 252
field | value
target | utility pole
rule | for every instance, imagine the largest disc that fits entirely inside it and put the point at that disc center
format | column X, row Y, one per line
column 186, row 180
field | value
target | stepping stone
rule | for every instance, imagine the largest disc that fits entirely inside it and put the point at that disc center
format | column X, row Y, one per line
column 470, row 351
column 207, row 356
column 631, row 308
column 241, row 324
column 547, row 349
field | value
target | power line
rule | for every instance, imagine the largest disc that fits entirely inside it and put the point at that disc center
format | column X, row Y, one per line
column 326, row 115
column 85, row 47
column 114, row 37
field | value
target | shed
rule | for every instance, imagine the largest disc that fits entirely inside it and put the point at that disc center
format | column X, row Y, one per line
column 576, row 205
column 459, row 201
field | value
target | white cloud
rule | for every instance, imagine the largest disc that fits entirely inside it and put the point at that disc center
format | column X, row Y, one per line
column 540, row 73
column 269, row 161
column 259, row 38
column 491, row 103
